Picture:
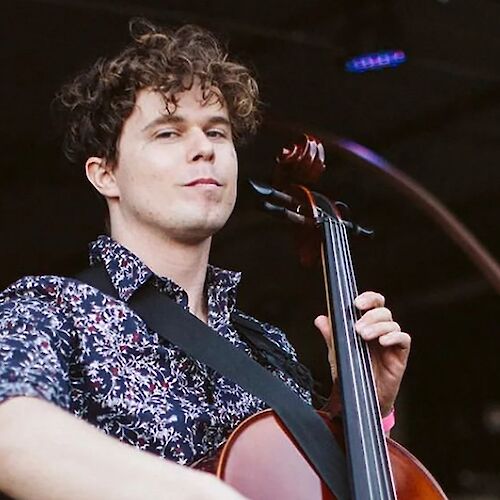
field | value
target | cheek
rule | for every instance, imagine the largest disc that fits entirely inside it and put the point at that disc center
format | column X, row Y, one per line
column 233, row 174
column 233, row 166
column 142, row 171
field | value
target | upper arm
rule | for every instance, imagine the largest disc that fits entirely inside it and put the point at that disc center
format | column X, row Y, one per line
column 34, row 351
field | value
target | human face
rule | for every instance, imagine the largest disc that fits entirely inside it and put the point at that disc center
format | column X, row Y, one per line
column 176, row 173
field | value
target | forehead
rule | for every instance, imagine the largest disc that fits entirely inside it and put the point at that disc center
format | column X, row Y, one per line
column 190, row 104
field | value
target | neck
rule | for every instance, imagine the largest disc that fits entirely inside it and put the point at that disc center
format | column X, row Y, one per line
column 184, row 263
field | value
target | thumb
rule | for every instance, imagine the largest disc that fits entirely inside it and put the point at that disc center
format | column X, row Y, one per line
column 322, row 323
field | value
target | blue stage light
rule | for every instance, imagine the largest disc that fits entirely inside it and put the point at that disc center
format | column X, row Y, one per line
column 375, row 61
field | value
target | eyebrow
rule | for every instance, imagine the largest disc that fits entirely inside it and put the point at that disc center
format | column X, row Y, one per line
column 177, row 119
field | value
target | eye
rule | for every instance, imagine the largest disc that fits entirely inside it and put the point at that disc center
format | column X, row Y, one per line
column 217, row 133
column 166, row 134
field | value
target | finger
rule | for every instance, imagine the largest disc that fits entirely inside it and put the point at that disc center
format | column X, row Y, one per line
column 372, row 331
column 369, row 300
column 375, row 315
column 395, row 339
column 322, row 323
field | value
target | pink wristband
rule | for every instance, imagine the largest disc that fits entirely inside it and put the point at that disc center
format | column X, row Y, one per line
column 389, row 421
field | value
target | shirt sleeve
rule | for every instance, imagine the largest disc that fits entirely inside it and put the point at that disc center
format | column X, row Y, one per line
column 34, row 348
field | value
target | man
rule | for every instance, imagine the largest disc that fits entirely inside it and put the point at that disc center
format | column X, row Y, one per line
column 155, row 128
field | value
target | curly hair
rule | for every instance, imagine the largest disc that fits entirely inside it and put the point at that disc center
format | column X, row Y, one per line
column 99, row 101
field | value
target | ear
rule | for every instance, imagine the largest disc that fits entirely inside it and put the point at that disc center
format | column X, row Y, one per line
column 101, row 175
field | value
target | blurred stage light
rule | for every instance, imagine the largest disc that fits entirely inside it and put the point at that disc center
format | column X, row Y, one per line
column 375, row 61
column 372, row 36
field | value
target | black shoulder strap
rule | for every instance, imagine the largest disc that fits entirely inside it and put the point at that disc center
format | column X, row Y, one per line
column 199, row 341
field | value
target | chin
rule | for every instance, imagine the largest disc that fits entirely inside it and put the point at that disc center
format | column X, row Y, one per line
column 197, row 234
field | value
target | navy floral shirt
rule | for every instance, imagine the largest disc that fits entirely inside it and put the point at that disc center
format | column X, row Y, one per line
column 90, row 354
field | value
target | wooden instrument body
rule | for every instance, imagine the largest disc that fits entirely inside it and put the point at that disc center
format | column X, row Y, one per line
column 261, row 460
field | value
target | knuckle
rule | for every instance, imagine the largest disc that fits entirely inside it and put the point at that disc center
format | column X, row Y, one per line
column 387, row 312
column 382, row 312
column 404, row 340
column 367, row 331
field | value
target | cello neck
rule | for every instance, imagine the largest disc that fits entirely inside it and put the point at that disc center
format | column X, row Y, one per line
column 369, row 467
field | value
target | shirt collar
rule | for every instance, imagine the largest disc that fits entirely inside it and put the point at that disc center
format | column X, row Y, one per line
column 128, row 273
column 220, row 288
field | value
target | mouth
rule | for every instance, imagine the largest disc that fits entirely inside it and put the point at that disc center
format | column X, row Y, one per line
column 204, row 181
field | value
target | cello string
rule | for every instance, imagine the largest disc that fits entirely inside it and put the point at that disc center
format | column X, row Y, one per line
column 365, row 455
column 346, row 305
column 375, row 420
column 361, row 353
column 348, row 310
column 377, row 436
column 375, row 423
column 366, row 415
column 344, row 302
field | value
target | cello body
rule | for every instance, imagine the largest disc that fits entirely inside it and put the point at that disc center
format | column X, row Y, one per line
column 261, row 461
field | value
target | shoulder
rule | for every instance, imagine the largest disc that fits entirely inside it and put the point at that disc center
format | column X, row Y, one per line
column 39, row 298
column 31, row 291
column 43, row 316
column 31, row 304
column 36, row 339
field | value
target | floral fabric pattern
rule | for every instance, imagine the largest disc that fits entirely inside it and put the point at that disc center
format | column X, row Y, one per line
column 90, row 354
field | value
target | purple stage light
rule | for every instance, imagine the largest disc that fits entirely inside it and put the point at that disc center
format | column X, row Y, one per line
column 375, row 61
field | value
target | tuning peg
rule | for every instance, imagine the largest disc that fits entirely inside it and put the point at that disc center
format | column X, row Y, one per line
column 269, row 192
column 284, row 212
column 357, row 229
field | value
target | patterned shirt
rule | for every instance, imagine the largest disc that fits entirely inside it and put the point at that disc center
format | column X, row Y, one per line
column 90, row 354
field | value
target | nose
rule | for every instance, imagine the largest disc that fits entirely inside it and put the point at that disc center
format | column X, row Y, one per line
column 200, row 147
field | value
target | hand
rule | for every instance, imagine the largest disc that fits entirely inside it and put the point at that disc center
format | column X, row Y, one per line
column 389, row 346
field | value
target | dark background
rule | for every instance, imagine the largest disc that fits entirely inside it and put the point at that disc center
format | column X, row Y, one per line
column 436, row 118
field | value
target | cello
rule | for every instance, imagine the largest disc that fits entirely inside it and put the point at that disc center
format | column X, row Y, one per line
column 261, row 458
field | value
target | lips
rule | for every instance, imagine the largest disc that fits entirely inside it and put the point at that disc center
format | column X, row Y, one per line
column 204, row 181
